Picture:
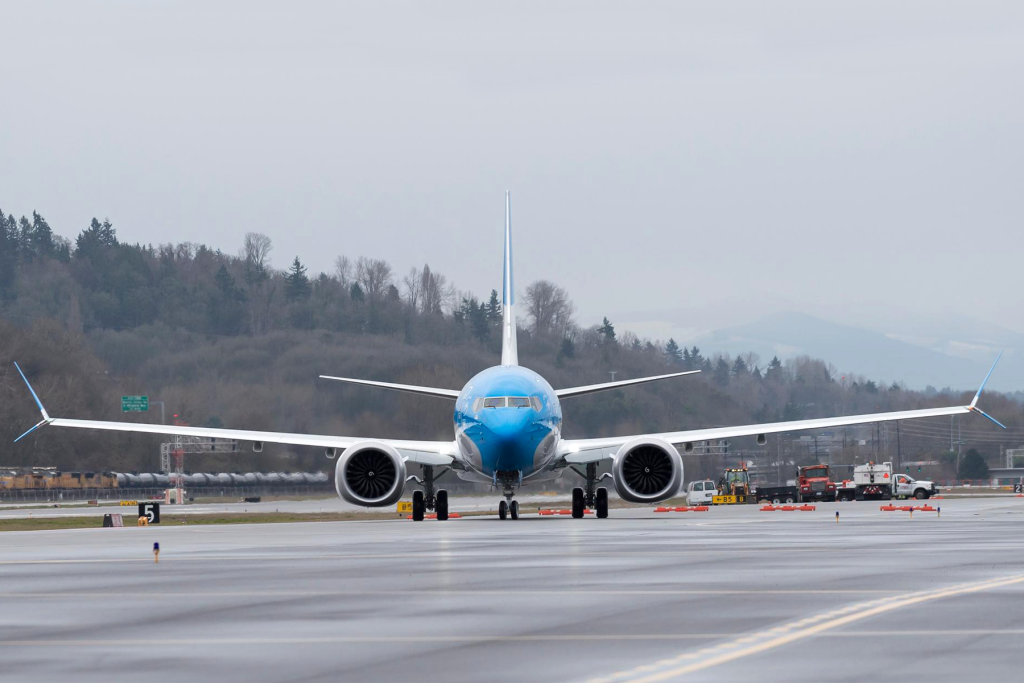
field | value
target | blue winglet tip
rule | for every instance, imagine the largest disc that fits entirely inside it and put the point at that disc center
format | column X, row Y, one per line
column 983, row 413
column 985, row 381
column 32, row 429
column 31, row 391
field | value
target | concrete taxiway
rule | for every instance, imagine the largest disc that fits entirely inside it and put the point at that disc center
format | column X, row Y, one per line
column 733, row 594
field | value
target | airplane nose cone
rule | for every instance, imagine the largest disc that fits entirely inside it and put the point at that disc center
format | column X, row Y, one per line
column 507, row 425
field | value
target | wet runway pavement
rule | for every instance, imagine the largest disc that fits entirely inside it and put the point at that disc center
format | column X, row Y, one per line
column 733, row 594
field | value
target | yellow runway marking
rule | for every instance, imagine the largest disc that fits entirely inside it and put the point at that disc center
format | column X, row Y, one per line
column 798, row 631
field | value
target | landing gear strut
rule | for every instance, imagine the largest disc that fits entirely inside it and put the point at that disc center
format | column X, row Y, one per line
column 592, row 497
column 429, row 498
column 508, row 507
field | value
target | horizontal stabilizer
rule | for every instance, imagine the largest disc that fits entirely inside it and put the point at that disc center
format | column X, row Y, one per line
column 408, row 388
column 591, row 388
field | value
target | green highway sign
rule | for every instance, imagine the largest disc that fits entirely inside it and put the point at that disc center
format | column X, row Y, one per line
column 134, row 404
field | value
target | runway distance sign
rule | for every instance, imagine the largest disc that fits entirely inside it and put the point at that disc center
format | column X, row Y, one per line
column 404, row 506
column 150, row 511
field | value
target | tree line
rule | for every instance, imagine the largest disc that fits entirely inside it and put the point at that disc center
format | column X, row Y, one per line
column 228, row 339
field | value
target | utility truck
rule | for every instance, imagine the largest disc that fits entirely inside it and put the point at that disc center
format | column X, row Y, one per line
column 877, row 481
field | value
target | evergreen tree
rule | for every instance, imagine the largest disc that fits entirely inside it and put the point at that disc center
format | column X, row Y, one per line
column 42, row 237
column 25, row 242
column 739, row 367
column 494, row 313
column 756, row 373
column 356, row 293
column 722, row 373
column 696, row 360
column 226, row 283
column 774, row 371
column 296, row 282
column 672, row 354
column 687, row 359
column 973, row 466
column 8, row 252
column 607, row 331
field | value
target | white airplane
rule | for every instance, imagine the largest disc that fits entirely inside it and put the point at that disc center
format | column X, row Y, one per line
column 508, row 424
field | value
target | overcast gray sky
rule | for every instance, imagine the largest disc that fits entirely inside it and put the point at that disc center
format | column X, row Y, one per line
column 676, row 166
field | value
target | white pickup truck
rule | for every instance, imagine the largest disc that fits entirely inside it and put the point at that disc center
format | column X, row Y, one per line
column 876, row 480
column 907, row 486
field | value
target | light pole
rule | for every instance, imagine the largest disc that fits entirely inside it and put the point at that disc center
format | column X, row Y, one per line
column 162, row 420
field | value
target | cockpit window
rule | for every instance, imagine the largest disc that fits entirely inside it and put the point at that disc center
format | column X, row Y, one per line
column 519, row 402
column 494, row 402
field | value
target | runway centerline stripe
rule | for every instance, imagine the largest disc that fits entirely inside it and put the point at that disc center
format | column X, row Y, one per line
column 794, row 631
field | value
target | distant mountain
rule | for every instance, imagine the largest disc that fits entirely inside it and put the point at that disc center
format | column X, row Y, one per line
column 918, row 360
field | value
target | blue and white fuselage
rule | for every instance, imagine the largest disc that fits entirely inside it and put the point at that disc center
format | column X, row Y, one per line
column 508, row 421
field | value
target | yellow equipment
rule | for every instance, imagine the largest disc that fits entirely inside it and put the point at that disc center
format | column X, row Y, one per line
column 734, row 488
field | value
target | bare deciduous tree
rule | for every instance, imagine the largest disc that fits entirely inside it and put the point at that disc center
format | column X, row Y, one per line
column 374, row 276
column 256, row 250
column 412, row 283
column 548, row 307
column 343, row 270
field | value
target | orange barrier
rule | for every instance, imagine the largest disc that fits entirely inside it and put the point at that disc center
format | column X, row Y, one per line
column 684, row 508
column 789, row 508
column 561, row 512
column 451, row 515
column 907, row 508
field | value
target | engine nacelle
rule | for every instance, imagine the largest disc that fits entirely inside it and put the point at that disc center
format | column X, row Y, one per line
column 647, row 470
column 370, row 473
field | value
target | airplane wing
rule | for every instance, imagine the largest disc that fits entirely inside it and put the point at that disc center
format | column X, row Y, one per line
column 408, row 388
column 591, row 388
column 577, row 451
column 422, row 452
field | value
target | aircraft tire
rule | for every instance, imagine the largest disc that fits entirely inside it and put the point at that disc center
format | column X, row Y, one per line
column 513, row 509
column 577, row 503
column 601, row 503
column 441, row 505
column 419, row 506
column 502, row 510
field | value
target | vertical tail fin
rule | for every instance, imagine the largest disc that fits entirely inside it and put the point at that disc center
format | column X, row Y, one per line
column 509, row 354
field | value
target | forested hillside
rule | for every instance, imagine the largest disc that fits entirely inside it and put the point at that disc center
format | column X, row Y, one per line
column 228, row 339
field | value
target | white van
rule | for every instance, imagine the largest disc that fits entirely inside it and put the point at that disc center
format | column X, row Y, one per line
column 700, row 492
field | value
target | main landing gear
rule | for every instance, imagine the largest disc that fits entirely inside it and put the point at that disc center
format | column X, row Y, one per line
column 593, row 496
column 428, row 498
column 508, row 507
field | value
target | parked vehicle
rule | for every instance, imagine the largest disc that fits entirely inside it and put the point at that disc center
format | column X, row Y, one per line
column 778, row 494
column 873, row 481
column 907, row 486
column 734, row 488
column 815, row 483
column 701, row 492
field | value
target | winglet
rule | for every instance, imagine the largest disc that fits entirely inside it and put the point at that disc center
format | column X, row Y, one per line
column 974, row 404
column 46, row 417
column 33, row 391
column 985, row 381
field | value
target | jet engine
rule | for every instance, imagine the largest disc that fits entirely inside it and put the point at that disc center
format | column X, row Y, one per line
column 647, row 470
column 370, row 473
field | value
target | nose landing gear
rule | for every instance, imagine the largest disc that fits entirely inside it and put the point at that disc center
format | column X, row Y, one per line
column 508, row 507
